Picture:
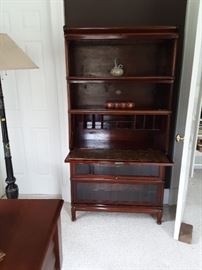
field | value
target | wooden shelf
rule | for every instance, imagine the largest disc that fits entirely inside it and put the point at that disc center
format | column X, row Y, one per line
column 121, row 112
column 143, row 79
column 120, row 33
column 149, row 156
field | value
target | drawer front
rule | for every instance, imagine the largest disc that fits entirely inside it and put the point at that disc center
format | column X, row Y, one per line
column 122, row 194
column 114, row 170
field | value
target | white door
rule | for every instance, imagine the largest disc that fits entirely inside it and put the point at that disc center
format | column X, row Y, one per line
column 189, row 92
column 33, row 100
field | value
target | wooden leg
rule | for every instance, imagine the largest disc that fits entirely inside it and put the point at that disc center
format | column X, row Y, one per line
column 159, row 217
column 73, row 212
column 58, row 246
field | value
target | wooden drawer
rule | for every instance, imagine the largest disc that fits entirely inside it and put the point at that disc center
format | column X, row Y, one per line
column 117, row 193
column 116, row 171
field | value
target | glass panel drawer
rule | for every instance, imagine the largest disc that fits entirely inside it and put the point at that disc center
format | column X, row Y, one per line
column 129, row 194
column 116, row 169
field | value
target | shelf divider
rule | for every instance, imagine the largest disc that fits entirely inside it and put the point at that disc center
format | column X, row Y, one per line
column 121, row 112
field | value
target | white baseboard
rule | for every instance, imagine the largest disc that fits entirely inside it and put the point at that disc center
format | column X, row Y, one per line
column 166, row 196
column 39, row 196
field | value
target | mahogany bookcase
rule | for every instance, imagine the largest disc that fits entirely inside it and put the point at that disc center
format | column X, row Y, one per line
column 119, row 156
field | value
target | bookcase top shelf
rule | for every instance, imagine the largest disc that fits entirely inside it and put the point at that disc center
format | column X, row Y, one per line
column 150, row 156
column 158, row 32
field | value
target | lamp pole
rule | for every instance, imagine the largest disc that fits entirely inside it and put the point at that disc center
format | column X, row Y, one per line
column 11, row 188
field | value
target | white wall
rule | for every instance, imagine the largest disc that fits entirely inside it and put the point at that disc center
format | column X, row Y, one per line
column 36, row 100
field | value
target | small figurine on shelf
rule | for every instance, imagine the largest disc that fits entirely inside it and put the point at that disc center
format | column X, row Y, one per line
column 117, row 70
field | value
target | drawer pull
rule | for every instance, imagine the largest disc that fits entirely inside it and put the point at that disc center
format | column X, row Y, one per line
column 118, row 163
column 116, row 178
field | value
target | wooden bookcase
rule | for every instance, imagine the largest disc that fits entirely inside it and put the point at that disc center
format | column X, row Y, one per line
column 119, row 155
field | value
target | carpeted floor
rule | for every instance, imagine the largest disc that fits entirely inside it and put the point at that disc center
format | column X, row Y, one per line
column 116, row 241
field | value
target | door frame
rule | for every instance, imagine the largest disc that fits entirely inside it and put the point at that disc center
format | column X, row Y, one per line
column 198, row 104
column 57, row 21
column 191, row 76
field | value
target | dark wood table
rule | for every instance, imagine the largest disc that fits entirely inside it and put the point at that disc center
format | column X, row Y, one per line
column 30, row 234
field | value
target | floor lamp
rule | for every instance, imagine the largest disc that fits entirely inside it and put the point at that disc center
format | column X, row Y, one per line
column 11, row 58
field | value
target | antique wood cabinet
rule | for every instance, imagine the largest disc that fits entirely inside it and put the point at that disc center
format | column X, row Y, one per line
column 120, row 86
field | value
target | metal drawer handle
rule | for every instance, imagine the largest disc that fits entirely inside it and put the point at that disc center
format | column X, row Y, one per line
column 118, row 163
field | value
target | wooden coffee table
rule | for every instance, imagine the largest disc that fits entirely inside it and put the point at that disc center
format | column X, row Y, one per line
column 30, row 234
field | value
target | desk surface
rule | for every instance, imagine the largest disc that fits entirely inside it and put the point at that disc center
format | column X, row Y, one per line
column 26, row 227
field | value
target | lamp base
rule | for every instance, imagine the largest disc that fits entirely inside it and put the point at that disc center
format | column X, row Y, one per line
column 12, row 191
column 11, row 188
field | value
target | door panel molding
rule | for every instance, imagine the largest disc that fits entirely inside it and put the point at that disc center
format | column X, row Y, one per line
column 36, row 115
column 57, row 37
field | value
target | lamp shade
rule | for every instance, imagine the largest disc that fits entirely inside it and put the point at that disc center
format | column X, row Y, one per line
column 13, row 57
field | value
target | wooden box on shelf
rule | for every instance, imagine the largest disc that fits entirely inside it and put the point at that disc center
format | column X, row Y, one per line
column 119, row 153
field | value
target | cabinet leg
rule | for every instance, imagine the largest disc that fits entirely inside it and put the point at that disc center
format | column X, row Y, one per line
column 159, row 217
column 73, row 212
